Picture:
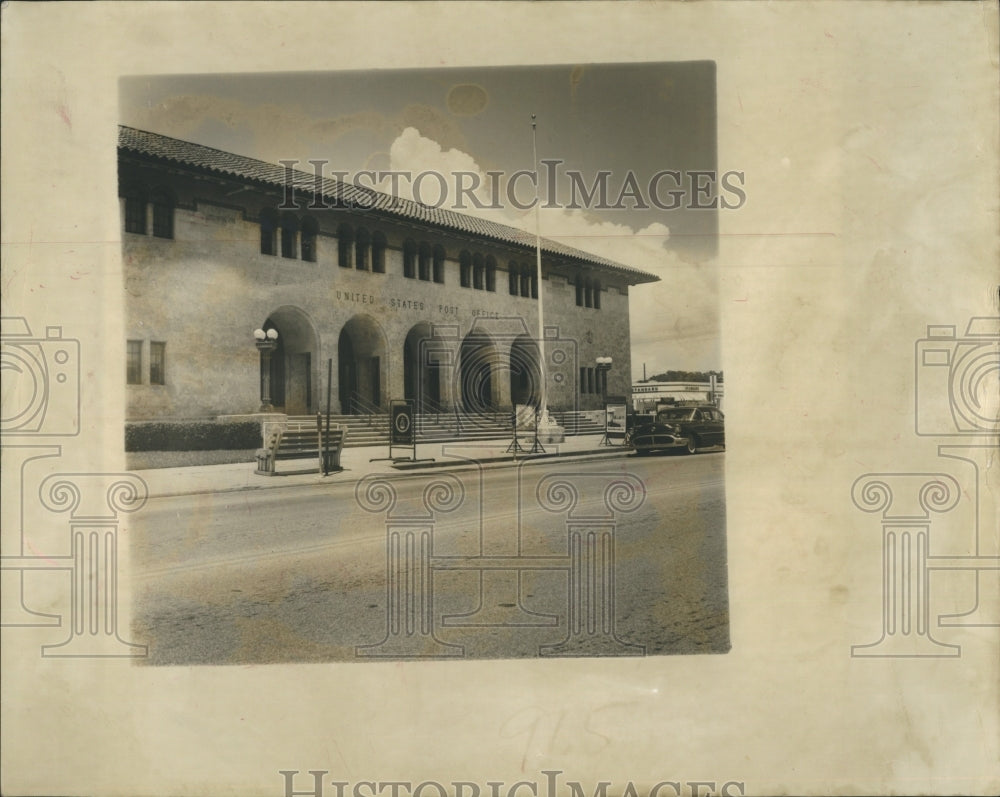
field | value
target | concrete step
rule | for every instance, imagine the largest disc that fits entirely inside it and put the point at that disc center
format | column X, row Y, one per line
column 431, row 427
column 577, row 423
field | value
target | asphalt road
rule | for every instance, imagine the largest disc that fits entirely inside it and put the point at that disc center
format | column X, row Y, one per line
column 300, row 573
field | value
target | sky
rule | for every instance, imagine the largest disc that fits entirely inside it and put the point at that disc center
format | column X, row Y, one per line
column 627, row 118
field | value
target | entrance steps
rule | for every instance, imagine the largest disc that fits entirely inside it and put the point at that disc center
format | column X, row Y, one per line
column 580, row 422
column 373, row 429
column 440, row 427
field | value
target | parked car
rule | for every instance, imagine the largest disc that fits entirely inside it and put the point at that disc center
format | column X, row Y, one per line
column 688, row 428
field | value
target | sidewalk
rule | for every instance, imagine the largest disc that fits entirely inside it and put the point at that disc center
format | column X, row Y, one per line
column 357, row 462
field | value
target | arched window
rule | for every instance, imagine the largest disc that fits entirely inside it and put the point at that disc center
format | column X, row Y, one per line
column 289, row 230
column 424, row 264
column 588, row 294
column 534, row 285
column 361, row 249
column 597, row 295
column 525, row 284
column 439, row 264
column 310, row 229
column 491, row 274
column 135, row 211
column 345, row 246
column 268, row 231
column 465, row 269
column 378, row 253
column 478, row 272
column 409, row 259
column 163, row 213
column 579, row 292
column 513, row 278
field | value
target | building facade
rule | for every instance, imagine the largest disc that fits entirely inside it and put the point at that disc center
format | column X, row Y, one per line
column 647, row 396
column 394, row 299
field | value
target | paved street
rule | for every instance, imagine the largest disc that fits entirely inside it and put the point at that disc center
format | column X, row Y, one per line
column 300, row 574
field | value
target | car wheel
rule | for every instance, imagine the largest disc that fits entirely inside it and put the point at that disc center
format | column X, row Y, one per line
column 692, row 445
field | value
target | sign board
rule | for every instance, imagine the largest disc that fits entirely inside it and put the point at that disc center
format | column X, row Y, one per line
column 401, row 431
column 615, row 417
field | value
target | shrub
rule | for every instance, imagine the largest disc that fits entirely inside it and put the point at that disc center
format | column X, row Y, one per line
column 191, row 436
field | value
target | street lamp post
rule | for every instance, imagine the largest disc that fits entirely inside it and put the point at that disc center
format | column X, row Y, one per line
column 266, row 343
column 603, row 366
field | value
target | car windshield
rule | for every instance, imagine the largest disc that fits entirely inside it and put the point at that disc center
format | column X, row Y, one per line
column 677, row 414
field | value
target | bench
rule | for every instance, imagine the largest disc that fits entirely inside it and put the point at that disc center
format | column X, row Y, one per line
column 300, row 440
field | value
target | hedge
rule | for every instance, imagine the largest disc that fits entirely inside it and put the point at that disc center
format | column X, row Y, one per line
column 191, row 436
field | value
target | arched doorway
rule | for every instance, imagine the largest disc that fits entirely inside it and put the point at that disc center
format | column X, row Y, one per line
column 525, row 374
column 477, row 363
column 422, row 371
column 361, row 358
column 291, row 363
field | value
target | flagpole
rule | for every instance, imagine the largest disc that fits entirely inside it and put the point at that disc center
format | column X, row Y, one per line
column 543, row 398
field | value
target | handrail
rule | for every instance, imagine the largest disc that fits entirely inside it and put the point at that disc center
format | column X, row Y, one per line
column 359, row 405
column 428, row 405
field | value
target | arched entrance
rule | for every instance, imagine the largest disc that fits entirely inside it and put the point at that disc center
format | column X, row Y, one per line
column 477, row 363
column 422, row 371
column 361, row 357
column 525, row 374
column 291, row 363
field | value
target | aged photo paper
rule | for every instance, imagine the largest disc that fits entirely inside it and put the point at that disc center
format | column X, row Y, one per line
column 490, row 399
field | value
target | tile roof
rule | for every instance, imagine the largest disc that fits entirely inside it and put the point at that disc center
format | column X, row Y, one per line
column 225, row 163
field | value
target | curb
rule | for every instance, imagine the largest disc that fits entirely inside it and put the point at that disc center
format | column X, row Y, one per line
column 405, row 469
column 497, row 461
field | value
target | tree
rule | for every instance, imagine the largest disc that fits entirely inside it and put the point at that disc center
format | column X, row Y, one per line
column 686, row 376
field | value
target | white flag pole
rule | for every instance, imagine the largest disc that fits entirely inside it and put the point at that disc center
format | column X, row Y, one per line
column 543, row 398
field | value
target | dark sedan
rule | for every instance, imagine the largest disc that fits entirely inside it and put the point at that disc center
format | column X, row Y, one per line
column 686, row 428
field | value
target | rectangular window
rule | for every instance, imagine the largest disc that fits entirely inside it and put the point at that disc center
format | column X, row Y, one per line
column 266, row 239
column 157, row 363
column 344, row 252
column 590, row 380
column 163, row 220
column 309, row 247
column 583, row 379
column 288, row 243
column 133, row 362
column 135, row 215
